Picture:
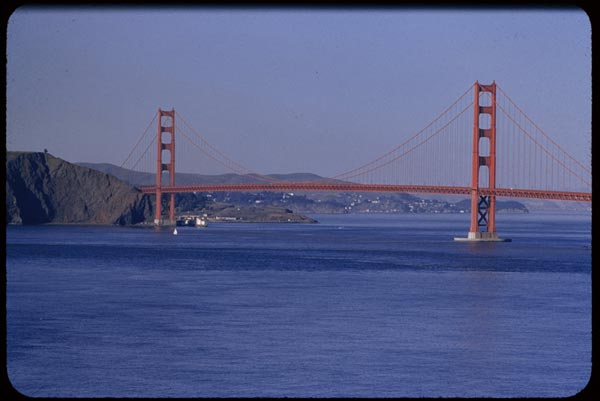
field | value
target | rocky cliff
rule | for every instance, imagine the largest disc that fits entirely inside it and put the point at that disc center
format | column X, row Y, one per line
column 41, row 188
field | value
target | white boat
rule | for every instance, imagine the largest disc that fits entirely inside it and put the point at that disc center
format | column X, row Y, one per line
column 175, row 231
column 200, row 222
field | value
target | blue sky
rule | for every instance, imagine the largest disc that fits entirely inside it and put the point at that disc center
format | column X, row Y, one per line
column 285, row 90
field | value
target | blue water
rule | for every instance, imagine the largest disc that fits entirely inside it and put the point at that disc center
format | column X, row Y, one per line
column 356, row 306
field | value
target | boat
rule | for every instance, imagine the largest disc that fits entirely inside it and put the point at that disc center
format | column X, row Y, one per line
column 191, row 221
column 175, row 231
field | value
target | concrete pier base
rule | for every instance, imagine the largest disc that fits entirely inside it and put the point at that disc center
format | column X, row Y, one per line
column 164, row 222
column 477, row 236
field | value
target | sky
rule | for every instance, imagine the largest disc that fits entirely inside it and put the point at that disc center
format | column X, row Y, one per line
column 284, row 90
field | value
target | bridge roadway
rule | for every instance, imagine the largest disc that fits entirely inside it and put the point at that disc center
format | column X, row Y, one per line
column 351, row 187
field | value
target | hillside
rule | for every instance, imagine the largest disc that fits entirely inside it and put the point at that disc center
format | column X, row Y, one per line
column 41, row 188
column 138, row 178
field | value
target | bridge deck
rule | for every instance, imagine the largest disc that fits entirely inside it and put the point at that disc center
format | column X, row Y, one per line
column 349, row 187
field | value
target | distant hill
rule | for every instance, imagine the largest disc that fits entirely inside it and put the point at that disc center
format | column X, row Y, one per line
column 501, row 206
column 41, row 188
column 138, row 178
column 556, row 205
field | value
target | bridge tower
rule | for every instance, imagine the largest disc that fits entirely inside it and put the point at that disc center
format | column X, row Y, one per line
column 165, row 162
column 483, row 208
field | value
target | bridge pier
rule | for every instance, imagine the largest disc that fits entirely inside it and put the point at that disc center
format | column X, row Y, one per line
column 164, row 222
column 158, row 219
column 482, row 236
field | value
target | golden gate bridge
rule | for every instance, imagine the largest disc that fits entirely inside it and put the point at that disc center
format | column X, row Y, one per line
column 482, row 146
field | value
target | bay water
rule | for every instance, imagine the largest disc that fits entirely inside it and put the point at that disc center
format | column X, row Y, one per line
column 355, row 306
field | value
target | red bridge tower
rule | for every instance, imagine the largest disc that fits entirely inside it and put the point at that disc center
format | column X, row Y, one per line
column 165, row 162
column 483, row 208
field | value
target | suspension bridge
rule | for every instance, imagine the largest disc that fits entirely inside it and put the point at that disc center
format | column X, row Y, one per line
column 482, row 146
